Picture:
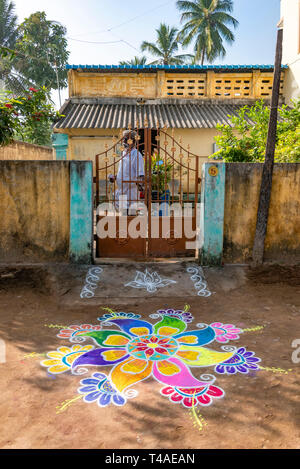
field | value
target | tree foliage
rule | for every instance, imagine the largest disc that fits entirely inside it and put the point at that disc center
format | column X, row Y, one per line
column 208, row 24
column 245, row 140
column 165, row 47
column 135, row 61
column 43, row 54
column 8, row 24
column 10, row 78
column 27, row 117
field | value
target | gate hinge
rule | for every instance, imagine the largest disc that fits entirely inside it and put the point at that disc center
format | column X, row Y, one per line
column 94, row 180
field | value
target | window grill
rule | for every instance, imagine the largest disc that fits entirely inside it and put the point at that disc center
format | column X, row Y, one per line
column 219, row 85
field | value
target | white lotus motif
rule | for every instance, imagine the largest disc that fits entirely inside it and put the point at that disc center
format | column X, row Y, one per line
column 150, row 281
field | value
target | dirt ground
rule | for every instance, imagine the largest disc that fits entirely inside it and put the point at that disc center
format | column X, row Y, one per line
column 260, row 409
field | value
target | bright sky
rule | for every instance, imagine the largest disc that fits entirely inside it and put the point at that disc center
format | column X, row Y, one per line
column 134, row 21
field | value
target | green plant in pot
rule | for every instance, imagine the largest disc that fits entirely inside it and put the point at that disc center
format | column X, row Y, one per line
column 161, row 176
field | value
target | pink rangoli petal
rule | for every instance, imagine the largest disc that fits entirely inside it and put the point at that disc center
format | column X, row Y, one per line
column 181, row 378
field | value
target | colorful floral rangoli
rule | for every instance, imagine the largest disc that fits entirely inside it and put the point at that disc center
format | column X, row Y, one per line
column 138, row 350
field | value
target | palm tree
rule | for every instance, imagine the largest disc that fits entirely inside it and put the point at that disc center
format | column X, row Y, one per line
column 165, row 47
column 135, row 61
column 207, row 22
column 8, row 24
column 9, row 77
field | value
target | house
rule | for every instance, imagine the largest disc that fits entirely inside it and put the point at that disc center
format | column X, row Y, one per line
column 188, row 101
column 290, row 14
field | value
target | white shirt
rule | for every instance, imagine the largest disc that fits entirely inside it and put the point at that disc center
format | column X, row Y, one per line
column 131, row 167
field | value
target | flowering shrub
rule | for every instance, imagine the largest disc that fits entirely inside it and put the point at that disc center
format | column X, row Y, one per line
column 27, row 117
column 7, row 124
column 245, row 141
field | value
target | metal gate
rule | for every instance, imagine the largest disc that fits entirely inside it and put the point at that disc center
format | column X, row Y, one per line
column 160, row 179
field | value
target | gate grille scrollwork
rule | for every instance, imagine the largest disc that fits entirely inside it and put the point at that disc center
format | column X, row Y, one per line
column 166, row 176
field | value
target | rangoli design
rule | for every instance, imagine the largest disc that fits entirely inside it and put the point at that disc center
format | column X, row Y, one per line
column 200, row 284
column 138, row 349
column 149, row 281
column 92, row 277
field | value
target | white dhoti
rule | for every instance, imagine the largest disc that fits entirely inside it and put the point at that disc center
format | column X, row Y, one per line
column 131, row 168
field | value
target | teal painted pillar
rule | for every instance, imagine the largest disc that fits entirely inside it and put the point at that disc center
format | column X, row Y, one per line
column 81, row 212
column 212, row 213
column 60, row 142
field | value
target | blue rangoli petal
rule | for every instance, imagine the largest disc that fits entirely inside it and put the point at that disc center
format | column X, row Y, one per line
column 118, row 400
column 87, row 389
column 88, row 381
column 93, row 396
column 104, row 400
column 242, row 369
column 204, row 336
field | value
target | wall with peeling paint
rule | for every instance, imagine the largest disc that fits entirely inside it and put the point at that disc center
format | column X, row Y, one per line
column 81, row 206
column 241, row 202
column 212, row 213
column 26, row 151
column 160, row 84
column 35, row 211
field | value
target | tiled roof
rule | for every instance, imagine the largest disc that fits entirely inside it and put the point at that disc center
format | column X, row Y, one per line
column 113, row 113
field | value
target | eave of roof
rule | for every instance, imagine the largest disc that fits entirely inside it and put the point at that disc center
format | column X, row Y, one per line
column 171, row 68
column 97, row 113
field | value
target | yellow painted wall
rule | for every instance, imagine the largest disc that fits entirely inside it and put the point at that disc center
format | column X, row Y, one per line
column 35, row 211
column 116, row 84
column 85, row 144
column 200, row 140
column 86, row 148
column 241, row 203
column 252, row 85
column 26, row 151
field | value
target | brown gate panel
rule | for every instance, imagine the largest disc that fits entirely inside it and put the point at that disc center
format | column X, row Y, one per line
column 170, row 177
column 172, row 239
column 121, row 246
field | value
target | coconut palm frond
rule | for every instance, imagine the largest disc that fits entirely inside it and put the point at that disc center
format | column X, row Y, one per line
column 165, row 47
column 223, row 18
column 225, row 5
column 208, row 24
column 226, row 33
column 10, row 78
column 151, row 48
column 135, row 61
column 14, row 82
column 8, row 24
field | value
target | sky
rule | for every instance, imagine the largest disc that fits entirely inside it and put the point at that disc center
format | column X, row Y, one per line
column 122, row 26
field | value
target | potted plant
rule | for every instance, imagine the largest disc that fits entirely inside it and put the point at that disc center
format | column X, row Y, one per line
column 161, row 176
